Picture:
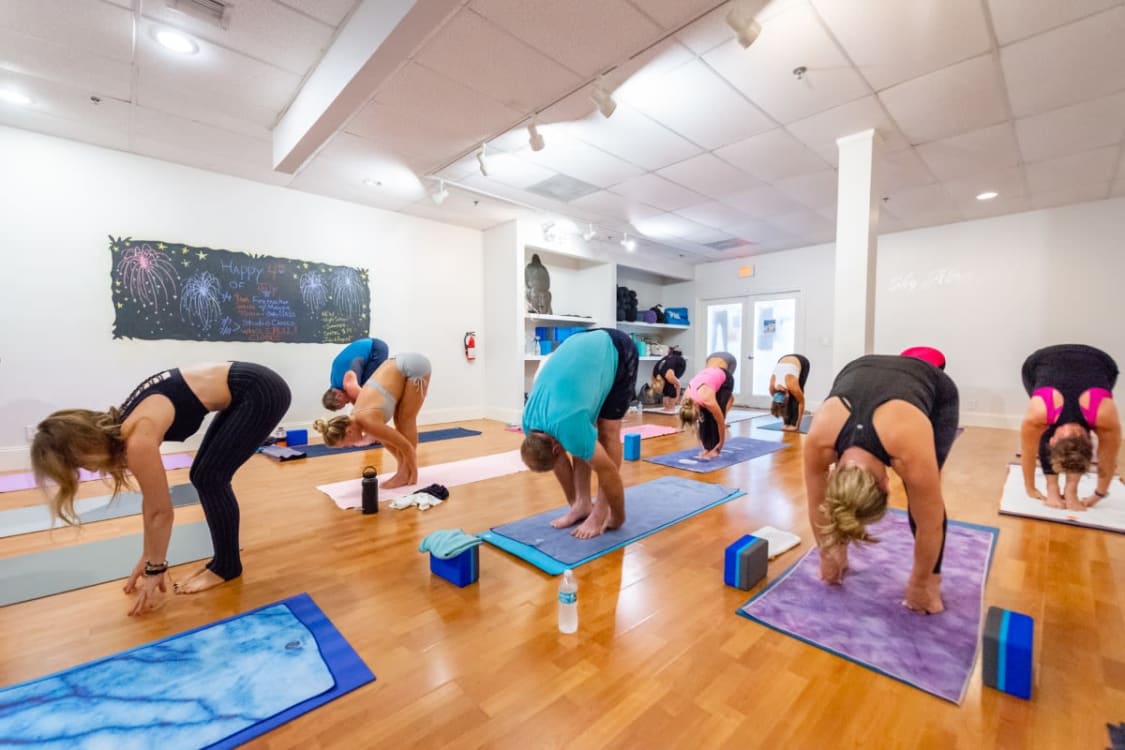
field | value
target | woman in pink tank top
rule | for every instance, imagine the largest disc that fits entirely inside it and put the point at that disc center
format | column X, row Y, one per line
column 708, row 397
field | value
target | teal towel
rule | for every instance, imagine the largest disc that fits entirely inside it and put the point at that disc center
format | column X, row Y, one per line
column 448, row 543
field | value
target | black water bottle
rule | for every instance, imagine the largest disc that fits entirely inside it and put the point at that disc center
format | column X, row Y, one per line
column 370, row 491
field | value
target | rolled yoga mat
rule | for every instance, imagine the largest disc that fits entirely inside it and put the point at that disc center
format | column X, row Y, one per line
column 77, row 566
column 649, row 508
column 218, row 686
column 1108, row 514
column 26, row 480
column 863, row 619
column 315, row 450
column 735, row 451
column 37, row 518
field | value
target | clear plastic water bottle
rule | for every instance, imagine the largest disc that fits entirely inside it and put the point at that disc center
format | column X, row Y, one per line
column 568, row 603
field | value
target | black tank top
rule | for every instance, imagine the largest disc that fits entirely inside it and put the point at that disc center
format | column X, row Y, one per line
column 189, row 410
column 674, row 362
column 867, row 383
column 1072, row 369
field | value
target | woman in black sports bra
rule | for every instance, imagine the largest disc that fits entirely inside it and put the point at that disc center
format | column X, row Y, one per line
column 250, row 401
column 882, row 411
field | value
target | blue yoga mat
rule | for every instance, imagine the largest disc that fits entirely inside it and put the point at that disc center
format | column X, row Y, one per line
column 37, row 518
column 735, row 451
column 806, row 422
column 313, row 450
column 649, row 507
column 218, row 686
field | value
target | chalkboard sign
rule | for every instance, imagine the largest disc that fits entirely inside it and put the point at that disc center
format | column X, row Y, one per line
column 164, row 290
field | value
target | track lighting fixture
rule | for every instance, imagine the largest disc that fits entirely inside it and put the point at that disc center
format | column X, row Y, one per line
column 601, row 97
column 481, row 160
column 439, row 195
column 628, row 243
column 535, row 138
column 741, row 19
column 589, row 233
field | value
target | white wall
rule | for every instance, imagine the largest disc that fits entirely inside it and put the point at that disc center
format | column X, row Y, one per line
column 986, row 292
column 60, row 201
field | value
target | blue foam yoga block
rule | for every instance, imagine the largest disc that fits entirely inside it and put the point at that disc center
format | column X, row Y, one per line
column 461, row 570
column 745, row 562
column 1006, row 662
column 632, row 447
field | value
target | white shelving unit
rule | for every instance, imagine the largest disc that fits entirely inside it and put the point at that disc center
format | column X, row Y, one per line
column 626, row 325
column 554, row 319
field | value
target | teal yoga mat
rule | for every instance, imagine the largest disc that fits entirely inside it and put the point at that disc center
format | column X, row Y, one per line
column 77, row 566
column 218, row 686
column 649, row 508
column 37, row 518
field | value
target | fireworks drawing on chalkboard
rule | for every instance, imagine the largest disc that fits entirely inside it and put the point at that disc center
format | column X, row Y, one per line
column 147, row 273
column 348, row 291
column 199, row 301
column 313, row 291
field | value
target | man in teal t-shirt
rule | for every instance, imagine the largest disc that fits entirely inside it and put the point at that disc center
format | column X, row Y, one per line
column 572, row 423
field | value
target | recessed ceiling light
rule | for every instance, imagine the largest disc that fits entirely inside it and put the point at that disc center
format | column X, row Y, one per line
column 177, row 42
column 629, row 243
column 14, row 97
column 987, row 195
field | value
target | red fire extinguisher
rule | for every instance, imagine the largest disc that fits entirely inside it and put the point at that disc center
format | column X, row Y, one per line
column 471, row 346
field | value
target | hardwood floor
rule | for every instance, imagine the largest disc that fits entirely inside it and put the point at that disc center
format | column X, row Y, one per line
column 659, row 660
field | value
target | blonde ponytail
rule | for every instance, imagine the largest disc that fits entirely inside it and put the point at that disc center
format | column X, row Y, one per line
column 853, row 499
column 333, row 430
column 689, row 414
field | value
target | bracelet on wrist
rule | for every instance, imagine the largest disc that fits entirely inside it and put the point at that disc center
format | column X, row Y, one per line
column 1101, row 495
column 155, row 569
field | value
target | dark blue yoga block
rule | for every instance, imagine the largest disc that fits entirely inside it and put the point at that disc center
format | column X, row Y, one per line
column 461, row 570
column 745, row 562
column 1006, row 662
column 296, row 437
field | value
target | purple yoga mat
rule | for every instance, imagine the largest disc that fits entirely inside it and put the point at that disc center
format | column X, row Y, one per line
column 26, row 481
column 863, row 619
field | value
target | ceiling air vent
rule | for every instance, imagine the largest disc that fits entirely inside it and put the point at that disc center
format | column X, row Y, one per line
column 563, row 188
column 215, row 12
column 730, row 244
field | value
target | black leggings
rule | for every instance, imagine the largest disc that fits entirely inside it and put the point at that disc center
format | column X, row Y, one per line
column 790, row 402
column 259, row 399
column 944, row 528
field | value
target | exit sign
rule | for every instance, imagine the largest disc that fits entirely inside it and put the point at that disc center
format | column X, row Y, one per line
column 745, row 272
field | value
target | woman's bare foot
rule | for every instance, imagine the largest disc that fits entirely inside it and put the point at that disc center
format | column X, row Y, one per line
column 1054, row 501
column 596, row 523
column 1074, row 504
column 398, row 480
column 202, row 580
column 578, row 512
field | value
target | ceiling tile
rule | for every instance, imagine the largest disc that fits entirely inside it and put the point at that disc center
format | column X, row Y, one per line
column 1008, row 182
column 1065, row 196
column 714, row 214
column 962, row 155
column 1118, row 187
column 95, row 27
column 1080, row 127
column 672, row 14
column 708, row 32
column 1016, row 19
column 889, row 223
column 762, row 203
column 482, row 57
column 668, row 225
column 892, row 42
column 896, row 170
column 923, row 206
column 615, row 206
column 805, row 223
column 587, row 36
column 261, row 29
column 820, row 131
column 957, row 99
column 816, row 190
column 1070, row 64
column 707, row 236
column 764, row 71
column 772, row 156
column 430, row 139
column 572, row 157
column 64, row 112
column 516, row 172
column 709, row 175
column 760, row 232
column 331, row 12
column 657, row 191
column 695, row 102
column 72, row 66
column 465, row 209
column 633, row 137
column 1089, row 167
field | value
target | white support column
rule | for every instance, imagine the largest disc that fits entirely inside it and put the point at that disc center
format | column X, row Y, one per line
column 857, row 223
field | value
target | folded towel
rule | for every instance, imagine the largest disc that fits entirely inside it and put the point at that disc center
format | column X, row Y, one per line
column 448, row 543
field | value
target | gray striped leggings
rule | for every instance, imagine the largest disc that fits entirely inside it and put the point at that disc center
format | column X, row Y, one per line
column 259, row 399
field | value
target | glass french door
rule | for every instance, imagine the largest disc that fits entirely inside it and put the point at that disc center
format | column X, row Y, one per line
column 725, row 333
column 773, row 334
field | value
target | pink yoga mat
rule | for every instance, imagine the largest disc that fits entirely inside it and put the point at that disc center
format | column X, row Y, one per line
column 26, row 480
column 348, row 494
column 648, row 431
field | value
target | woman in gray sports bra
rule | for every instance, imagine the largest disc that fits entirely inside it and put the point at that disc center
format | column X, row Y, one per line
column 395, row 393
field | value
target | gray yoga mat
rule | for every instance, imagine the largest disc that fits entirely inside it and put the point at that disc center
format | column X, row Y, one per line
column 54, row 571
column 37, row 518
column 806, row 423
